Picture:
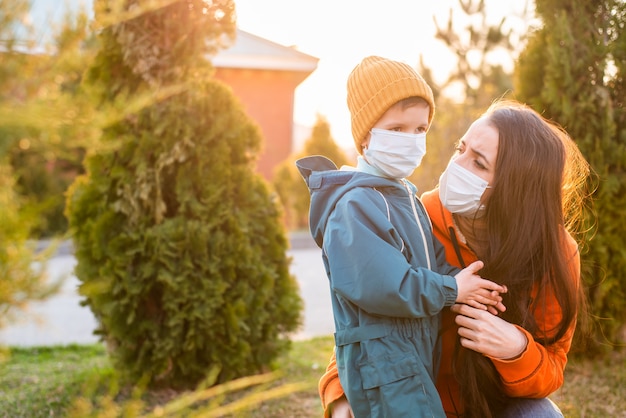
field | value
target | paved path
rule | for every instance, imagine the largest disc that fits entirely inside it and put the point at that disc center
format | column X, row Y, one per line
column 61, row 320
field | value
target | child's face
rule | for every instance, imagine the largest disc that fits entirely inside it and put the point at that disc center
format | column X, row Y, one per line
column 412, row 119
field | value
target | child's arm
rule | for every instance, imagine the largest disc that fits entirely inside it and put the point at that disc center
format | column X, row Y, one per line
column 480, row 293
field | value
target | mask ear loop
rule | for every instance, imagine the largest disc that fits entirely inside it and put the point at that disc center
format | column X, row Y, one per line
column 455, row 242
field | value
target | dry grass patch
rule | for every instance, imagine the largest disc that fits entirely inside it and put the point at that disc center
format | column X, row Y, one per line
column 77, row 381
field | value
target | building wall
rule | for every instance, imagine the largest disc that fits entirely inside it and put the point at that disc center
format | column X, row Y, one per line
column 268, row 98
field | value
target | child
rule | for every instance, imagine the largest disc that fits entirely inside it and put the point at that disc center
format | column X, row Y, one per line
column 388, row 277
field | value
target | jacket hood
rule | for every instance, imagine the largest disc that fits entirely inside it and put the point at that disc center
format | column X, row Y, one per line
column 327, row 185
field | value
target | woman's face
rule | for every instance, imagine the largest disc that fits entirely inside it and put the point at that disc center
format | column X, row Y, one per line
column 477, row 151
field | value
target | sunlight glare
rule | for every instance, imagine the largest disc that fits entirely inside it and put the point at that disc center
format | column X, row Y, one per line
column 342, row 33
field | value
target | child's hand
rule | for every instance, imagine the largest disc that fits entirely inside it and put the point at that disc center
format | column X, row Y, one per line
column 480, row 293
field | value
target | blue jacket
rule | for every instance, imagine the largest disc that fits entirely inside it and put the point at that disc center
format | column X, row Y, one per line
column 389, row 282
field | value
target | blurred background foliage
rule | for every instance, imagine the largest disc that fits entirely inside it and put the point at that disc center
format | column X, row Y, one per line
column 288, row 183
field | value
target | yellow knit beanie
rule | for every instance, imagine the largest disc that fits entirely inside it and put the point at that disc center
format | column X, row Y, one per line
column 375, row 85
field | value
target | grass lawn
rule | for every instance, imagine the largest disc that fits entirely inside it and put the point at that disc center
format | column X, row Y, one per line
column 78, row 381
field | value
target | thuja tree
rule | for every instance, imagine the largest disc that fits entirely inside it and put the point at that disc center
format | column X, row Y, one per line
column 573, row 71
column 181, row 252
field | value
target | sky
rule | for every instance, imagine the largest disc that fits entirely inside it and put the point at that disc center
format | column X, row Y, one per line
column 340, row 33
column 343, row 32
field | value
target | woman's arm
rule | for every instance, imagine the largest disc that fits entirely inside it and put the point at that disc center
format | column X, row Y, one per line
column 534, row 371
column 528, row 369
column 341, row 409
column 330, row 389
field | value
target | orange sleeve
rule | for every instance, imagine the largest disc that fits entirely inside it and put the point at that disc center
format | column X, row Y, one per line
column 539, row 370
column 329, row 386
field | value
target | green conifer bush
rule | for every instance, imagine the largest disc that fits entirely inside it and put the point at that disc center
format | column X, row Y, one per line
column 180, row 249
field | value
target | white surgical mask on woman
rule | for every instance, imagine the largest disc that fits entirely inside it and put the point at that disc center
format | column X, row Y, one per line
column 460, row 190
column 395, row 154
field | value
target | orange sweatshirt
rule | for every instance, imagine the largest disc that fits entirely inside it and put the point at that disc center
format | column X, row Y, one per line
column 536, row 373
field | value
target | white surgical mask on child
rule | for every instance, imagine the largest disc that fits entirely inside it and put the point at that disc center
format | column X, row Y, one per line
column 395, row 154
column 460, row 190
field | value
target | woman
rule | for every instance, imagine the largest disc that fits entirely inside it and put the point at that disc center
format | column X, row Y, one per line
column 511, row 196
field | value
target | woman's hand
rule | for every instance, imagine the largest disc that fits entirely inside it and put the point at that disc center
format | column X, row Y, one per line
column 488, row 334
column 341, row 409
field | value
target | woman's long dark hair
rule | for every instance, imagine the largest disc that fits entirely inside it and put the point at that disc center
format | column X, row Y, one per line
column 539, row 173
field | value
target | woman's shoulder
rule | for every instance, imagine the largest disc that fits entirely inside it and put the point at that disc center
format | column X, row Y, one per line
column 432, row 204
column 430, row 196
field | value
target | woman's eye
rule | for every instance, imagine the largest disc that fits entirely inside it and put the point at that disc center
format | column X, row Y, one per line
column 479, row 164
